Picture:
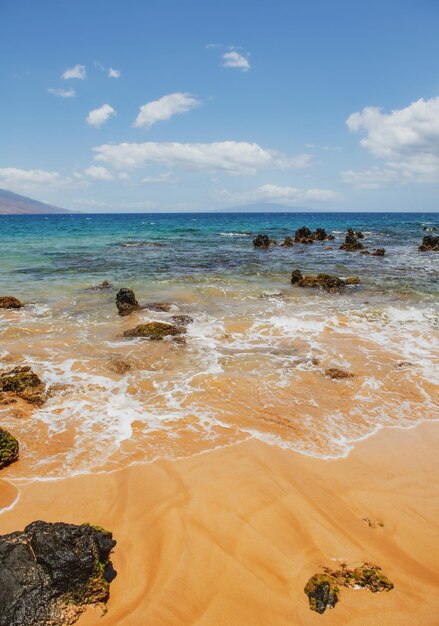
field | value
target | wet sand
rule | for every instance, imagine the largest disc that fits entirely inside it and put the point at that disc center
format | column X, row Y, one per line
column 230, row 537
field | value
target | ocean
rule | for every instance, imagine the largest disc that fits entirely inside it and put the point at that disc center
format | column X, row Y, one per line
column 254, row 358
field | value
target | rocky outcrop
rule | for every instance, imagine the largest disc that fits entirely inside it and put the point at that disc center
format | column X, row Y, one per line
column 49, row 573
column 352, row 243
column 287, row 242
column 8, row 449
column 338, row 374
column 126, row 302
column 182, row 320
column 9, row 302
column 159, row 306
column 305, row 235
column 23, row 383
column 430, row 229
column 429, row 244
column 155, row 331
column 379, row 252
column 325, row 281
column 323, row 589
column 261, row 241
column 103, row 286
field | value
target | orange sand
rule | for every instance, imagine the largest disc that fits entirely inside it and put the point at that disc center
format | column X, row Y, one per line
column 230, row 537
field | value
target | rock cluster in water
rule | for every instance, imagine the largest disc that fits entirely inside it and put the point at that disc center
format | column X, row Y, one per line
column 49, row 573
column 429, row 243
column 262, row 241
column 327, row 282
column 352, row 241
column 22, row 382
column 126, row 302
column 8, row 449
column 323, row 589
column 305, row 235
column 9, row 302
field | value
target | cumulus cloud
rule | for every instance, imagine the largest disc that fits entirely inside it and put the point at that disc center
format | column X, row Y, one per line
column 98, row 173
column 78, row 71
column 21, row 180
column 62, row 93
column 99, row 116
column 164, row 108
column 407, row 140
column 233, row 157
column 236, row 60
column 278, row 194
column 112, row 73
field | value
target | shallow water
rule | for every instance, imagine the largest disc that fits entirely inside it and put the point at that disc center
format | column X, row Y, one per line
column 253, row 362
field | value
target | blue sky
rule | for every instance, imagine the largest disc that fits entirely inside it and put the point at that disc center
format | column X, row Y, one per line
column 200, row 105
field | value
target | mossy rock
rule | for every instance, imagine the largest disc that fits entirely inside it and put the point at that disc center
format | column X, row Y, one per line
column 8, row 448
column 182, row 320
column 371, row 577
column 19, row 379
column 322, row 591
column 156, row 331
column 9, row 302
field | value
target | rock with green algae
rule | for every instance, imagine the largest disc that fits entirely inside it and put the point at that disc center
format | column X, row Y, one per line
column 155, row 331
column 328, row 282
column 24, row 383
column 322, row 591
column 49, row 573
column 8, row 448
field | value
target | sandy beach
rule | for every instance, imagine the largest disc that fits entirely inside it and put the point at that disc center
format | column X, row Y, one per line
column 232, row 536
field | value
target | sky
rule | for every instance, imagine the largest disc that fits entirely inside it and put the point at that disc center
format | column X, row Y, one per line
column 165, row 105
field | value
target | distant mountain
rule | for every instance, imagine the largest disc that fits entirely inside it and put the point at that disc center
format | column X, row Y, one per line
column 265, row 207
column 14, row 204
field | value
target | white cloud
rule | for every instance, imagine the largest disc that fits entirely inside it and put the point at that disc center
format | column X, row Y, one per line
column 78, row 71
column 62, row 93
column 233, row 157
column 236, row 60
column 407, row 138
column 98, row 173
column 165, row 177
column 112, row 73
column 97, row 117
column 164, row 108
column 21, row 180
column 275, row 193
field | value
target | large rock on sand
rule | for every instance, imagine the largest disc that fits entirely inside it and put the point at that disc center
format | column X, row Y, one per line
column 155, row 331
column 49, row 573
column 8, row 449
column 126, row 302
column 9, row 302
column 325, row 281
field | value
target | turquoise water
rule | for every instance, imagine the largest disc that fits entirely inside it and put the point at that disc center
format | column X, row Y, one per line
column 146, row 248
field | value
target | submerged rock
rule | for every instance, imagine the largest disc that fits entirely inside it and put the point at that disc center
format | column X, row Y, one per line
column 8, row 451
column 261, row 241
column 322, row 591
column 155, row 331
column 379, row 252
column 103, row 286
column 182, row 320
column 305, row 235
column 49, row 573
column 336, row 373
column 287, row 242
column 24, row 383
column 429, row 243
column 159, row 306
column 325, row 281
column 126, row 302
column 9, row 302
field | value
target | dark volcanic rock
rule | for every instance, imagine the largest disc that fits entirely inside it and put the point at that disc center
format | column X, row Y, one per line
column 182, row 320
column 287, row 242
column 24, row 383
column 159, row 306
column 9, row 302
column 305, row 235
column 326, row 281
column 379, row 252
column 50, row 572
column 429, row 243
column 155, row 331
column 322, row 591
column 261, row 241
column 104, row 286
column 351, row 243
column 8, row 450
column 126, row 301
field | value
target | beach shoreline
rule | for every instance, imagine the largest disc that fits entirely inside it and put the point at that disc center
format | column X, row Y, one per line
column 233, row 535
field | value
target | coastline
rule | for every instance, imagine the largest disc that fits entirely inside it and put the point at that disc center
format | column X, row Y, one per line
column 233, row 535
